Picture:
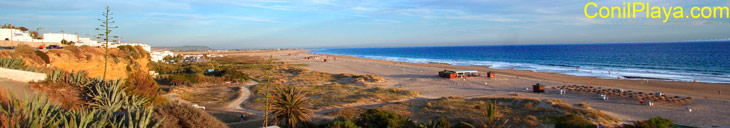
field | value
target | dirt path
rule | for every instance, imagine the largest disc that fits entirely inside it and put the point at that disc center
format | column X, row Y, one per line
column 235, row 105
column 242, row 97
column 20, row 89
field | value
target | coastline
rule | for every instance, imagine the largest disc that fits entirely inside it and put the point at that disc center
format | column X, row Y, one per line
column 698, row 89
column 422, row 77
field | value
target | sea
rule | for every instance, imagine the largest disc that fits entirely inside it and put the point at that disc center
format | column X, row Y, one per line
column 701, row 61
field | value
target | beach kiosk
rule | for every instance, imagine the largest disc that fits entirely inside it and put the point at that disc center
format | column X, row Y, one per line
column 491, row 74
column 537, row 88
column 451, row 74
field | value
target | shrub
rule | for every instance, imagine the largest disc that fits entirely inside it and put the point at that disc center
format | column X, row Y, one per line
column 440, row 123
column 73, row 49
column 654, row 122
column 43, row 56
column 24, row 49
column 374, row 118
column 343, row 124
column 142, row 84
column 181, row 115
column 573, row 121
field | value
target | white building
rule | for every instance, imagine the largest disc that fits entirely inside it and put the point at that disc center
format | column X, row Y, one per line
column 88, row 42
column 146, row 47
column 15, row 35
column 58, row 37
column 160, row 56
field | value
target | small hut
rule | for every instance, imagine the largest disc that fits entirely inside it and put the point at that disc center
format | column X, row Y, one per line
column 491, row 74
column 537, row 88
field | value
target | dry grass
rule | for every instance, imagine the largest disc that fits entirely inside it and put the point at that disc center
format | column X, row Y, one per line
column 521, row 112
column 207, row 95
column 68, row 97
column 92, row 60
column 181, row 115
column 333, row 95
column 585, row 111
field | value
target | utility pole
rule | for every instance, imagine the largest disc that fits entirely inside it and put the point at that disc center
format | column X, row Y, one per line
column 43, row 42
column 63, row 35
column 11, row 35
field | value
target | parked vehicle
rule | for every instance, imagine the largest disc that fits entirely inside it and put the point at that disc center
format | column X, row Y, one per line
column 53, row 47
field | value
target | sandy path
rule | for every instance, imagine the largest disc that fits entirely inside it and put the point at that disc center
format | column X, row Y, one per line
column 235, row 105
column 20, row 89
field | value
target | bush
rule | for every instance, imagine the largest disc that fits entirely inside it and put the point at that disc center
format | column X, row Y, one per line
column 573, row 121
column 374, row 118
column 343, row 124
column 180, row 115
column 43, row 56
column 654, row 122
column 140, row 83
column 24, row 49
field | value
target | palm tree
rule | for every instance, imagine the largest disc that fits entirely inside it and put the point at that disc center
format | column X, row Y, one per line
column 290, row 108
column 493, row 120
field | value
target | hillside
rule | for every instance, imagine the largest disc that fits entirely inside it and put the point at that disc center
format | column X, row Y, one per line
column 72, row 58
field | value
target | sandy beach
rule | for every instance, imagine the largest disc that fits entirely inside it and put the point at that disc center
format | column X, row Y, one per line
column 708, row 109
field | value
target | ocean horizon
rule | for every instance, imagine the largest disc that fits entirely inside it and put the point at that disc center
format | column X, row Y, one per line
column 703, row 61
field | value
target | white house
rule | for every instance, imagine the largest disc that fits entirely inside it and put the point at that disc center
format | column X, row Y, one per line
column 58, row 37
column 146, row 47
column 88, row 42
column 14, row 35
column 159, row 56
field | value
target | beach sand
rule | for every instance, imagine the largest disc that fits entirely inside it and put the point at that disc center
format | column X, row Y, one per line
column 711, row 111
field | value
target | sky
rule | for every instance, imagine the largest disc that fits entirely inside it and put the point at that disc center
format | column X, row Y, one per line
column 247, row 24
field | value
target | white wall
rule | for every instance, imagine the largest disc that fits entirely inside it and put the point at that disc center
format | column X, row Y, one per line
column 57, row 37
column 146, row 47
column 19, row 75
column 16, row 34
column 159, row 56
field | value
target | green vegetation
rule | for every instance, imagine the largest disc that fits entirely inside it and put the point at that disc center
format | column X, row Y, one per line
column 8, row 26
column 108, row 106
column 374, row 118
column 481, row 112
column 12, row 63
column 108, row 19
column 343, row 124
column 17, row 63
column 573, row 121
column 290, row 108
column 654, row 122
column 196, row 73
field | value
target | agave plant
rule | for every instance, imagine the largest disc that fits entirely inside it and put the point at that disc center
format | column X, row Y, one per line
column 32, row 112
column 12, row 63
column 85, row 118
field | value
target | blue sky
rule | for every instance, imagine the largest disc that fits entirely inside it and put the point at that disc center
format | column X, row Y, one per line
column 233, row 24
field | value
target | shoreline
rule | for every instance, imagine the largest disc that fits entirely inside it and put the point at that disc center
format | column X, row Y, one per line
column 422, row 77
column 600, row 72
column 700, row 89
